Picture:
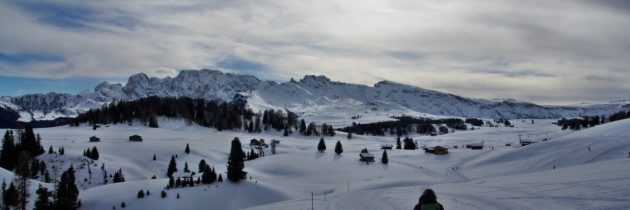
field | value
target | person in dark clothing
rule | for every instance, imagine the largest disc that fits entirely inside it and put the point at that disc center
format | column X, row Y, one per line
column 428, row 201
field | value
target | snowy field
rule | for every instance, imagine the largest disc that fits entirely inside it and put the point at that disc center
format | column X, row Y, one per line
column 497, row 177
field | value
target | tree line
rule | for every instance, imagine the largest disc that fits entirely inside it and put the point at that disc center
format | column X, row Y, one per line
column 405, row 125
column 590, row 121
column 213, row 114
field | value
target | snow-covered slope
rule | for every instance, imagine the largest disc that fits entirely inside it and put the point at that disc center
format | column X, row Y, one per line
column 600, row 143
column 309, row 96
column 501, row 178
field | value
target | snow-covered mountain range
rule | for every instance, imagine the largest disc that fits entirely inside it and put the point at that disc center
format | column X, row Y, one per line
column 309, row 96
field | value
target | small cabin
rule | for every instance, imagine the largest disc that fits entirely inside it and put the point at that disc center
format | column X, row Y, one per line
column 387, row 146
column 258, row 143
column 475, row 146
column 438, row 150
column 366, row 157
column 135, row 138
column 526, row 142
column 94, row 139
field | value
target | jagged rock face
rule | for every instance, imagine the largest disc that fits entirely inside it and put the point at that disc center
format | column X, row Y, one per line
column 46, row 102
column 208, row 84
column 309, row 94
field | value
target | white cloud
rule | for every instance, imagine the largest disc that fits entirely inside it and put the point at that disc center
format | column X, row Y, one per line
column 545, row 52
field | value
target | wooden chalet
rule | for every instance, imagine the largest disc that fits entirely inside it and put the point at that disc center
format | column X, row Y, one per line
column 94, row 139
column 475, row 146
column 438, row 150
column 136, row 138
column 366, row 157
column 387, row 146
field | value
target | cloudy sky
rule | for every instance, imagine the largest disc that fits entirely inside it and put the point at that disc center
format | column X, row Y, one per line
column 549, row 52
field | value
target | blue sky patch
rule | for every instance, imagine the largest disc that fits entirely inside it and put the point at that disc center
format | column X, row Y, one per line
column 28, row 57
column 244, row 66
column 75, row 16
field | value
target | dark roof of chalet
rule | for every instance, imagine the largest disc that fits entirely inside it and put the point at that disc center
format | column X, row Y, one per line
column 366, row 155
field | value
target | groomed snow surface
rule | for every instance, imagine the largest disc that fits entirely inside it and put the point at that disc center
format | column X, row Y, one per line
column 497, row 177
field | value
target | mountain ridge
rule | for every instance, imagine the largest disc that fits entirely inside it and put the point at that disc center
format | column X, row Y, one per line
column 310, row 95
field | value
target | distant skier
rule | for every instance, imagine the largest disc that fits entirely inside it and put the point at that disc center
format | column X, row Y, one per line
column 428, row 201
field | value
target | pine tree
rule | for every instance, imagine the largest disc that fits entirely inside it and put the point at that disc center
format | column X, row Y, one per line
column 163, row 194
column 398, row 146
column 34, row 168
column 43, row 201
column 257, row 127
column 250, row 128
column 67, row 192
column 10, row 196
column 123, row 205
column 236, row 163
column 384, row 158
column 94, row 154
column 186, row 167
column 119, row 176
column 172, row 167
column 50, row 150
column 220, row 179
column 141, row 194
column 349, row 135
column 321, row 147
column 62, row 151
column 22, row 174
column 8, row 154
column 104, row 176
column 338, row 148
column 153, row 122
column 29, row 142
column 302, row 127
column 202, row 166
column 209, row 176
column 148, row 193
column 187, row 150
column 171, row 182
column 154, row 158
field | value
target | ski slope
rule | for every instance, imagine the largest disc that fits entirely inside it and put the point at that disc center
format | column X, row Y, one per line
column 511, row 177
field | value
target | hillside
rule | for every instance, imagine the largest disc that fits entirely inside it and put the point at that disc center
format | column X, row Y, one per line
column 606, row 142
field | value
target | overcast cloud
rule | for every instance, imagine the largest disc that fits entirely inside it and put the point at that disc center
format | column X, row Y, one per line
column 550, row 52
